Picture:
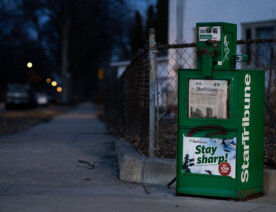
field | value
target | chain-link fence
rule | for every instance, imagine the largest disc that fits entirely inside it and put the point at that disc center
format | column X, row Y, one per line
column 261, row 54
column 127, row 100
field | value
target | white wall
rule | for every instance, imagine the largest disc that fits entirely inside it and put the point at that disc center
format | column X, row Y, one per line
column 232, row 11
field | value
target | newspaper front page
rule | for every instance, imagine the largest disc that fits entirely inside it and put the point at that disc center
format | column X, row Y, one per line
column 208, row 99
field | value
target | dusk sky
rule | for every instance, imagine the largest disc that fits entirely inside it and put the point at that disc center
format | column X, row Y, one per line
column 141, row 5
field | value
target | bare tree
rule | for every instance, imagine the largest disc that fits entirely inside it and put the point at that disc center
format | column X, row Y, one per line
column 78, row 35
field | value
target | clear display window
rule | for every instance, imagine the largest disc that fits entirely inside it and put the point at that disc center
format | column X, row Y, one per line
column 208, row 99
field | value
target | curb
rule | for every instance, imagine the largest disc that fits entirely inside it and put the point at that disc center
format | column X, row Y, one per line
column 139, row 169
column 270, row 182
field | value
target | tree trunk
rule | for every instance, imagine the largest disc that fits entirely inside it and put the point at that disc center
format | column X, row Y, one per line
column 65, row 63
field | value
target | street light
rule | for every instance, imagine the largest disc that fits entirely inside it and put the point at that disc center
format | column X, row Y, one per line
column 59, row 89
column 29, row 64
column 48, row 80
column 54, row 83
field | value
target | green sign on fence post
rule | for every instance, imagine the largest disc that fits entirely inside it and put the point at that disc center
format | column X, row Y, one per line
column 220, row 120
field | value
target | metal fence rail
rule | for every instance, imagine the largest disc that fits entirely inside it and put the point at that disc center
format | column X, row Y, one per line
column 127, row 101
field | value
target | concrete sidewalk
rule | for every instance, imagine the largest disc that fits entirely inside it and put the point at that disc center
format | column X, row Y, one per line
column 136, row 168
column 69, row 164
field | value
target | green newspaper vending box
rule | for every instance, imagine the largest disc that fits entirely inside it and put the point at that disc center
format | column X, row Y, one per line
column 220, row 120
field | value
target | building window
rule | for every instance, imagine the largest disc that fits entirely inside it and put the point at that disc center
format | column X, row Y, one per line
column 260, row 55
column 265, row 50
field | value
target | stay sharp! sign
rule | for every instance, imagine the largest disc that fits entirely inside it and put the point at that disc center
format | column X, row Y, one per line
column 211, row 156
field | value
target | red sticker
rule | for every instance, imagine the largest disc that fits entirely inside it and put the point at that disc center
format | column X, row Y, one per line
column 224, row 168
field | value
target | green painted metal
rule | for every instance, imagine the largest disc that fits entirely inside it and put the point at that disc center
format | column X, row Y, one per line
column 220, row 157
column 221, row 50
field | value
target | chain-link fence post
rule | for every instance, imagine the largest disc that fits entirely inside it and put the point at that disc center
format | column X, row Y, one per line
column 152, row 88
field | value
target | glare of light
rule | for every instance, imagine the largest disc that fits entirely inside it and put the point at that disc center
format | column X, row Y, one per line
column 59, row 89
column 54, row 83
column 48, row 80
column 29, row 65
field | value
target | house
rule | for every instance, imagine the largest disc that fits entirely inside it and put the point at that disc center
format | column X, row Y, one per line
column 162, row 74
column 254, row 18
column 120, row 67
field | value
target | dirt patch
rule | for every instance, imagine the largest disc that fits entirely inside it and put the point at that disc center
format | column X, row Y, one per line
column 18, row 120
column 168, row 140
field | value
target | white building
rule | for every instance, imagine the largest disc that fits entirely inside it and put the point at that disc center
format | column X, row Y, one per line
column 254, row 18
column 162, row 75
column 120, row 67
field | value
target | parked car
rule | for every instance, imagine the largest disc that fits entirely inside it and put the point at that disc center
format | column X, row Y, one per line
column 18, row 95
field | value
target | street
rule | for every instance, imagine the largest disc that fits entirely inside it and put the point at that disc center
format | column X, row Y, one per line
column 69, row 164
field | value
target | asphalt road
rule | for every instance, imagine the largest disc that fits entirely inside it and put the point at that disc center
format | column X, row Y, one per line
column 69, row 164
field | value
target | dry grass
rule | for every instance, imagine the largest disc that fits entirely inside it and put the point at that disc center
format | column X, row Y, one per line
column 18, row 120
